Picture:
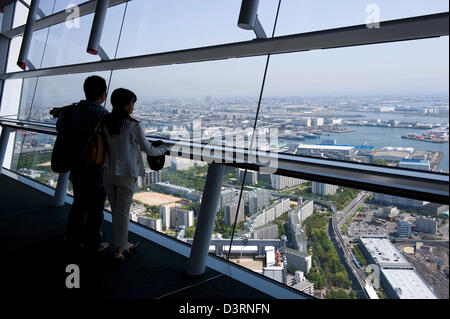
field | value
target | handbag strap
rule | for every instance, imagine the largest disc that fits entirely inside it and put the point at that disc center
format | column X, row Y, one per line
column 100, row 124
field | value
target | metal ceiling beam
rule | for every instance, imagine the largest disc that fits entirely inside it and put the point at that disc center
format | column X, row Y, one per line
column 59, row 17
column 422, row 27
column 4, row 3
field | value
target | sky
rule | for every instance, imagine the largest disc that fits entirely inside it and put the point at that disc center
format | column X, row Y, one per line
column 411, row 67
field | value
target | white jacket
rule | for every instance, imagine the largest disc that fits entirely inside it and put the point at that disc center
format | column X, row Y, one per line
column 124, row 153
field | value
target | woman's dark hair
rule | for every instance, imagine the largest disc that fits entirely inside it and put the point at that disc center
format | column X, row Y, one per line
column 119, row 99
column 94, row 87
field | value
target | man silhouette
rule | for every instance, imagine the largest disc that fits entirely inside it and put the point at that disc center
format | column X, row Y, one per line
column 86, row 214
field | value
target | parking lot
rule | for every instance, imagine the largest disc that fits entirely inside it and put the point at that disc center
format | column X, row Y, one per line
column 364, row 225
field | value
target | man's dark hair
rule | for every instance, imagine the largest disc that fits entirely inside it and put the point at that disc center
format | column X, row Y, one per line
column 94, row 87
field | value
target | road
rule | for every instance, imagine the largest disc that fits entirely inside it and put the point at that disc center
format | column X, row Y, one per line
column 345, row 250
column 336, row 236
column 351, row 208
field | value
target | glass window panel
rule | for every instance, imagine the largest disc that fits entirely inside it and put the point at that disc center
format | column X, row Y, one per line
column 189, row 101
column 168, row 200
column 159, row 26
column 37, row 48
column 382, row 104
column 32, row 155
column 20, row 15
column 220, row 95
column 64, row 4
column 46, row 7
column 309, row 15
column 67, row 43
column 308, row 213
column 41, row 95
column 49, row 7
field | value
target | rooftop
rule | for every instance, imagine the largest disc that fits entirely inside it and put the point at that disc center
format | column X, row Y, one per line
column 411, row 285
column 383, row 252
column 326, row 147
column 296, row 252
column 414, row 161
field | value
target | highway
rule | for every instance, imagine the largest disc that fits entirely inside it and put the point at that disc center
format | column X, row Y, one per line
column 346, row 252
column 336, row 236
column 436, row 280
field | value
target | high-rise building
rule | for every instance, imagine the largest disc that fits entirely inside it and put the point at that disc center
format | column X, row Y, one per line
column 164, row 213
column 150, row 177
column 180, row 217
column 304, row 210
column 267, row 215
column 318, row 121
column 257, row 200
column 426, row 225
column 296, row 218
column 230, row 212
column 228, row 196
column 298, row 260
column 401, row 202
column 323, row 189
column 403, row 228
column 251, row 178
column 269, row 231
column 281, row 182
column 153, row 223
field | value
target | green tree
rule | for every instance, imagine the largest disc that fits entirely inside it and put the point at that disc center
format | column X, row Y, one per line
column 337, row 294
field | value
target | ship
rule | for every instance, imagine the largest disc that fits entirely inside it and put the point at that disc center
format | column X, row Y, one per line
column 292, row 136
column 308, row 135
column 426, row 138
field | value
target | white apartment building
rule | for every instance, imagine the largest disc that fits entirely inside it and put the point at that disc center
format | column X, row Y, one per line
column 180, row 217
column 323, row 189
column 279, row 182
column 150, row 222
column 426, row 225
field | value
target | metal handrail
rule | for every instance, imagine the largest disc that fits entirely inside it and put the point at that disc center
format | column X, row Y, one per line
column 403, row 182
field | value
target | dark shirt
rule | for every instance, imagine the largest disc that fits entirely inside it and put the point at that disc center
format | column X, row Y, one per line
column 85, row 118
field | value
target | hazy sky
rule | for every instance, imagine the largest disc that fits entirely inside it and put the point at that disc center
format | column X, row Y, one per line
column 413, row 67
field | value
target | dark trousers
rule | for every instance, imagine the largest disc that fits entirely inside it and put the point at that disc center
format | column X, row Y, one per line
column 85, row 216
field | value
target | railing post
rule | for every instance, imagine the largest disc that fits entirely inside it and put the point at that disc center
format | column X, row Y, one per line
column 97, row 26
column 61, row 190
column 206, row 219
column 28, row 34
column 4, row 143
